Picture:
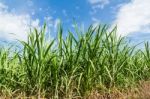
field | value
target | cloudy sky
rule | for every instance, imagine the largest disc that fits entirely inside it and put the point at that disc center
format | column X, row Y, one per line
column 131, row 16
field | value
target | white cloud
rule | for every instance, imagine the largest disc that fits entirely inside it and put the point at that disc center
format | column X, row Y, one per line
column 95, row 20
column 13, row 26
column 95, row 24
column 56, row 23
column 52, row 24
column 2, row 6
column 30, row 3
column 64, row 12
column 133, row 17
column 98, row 3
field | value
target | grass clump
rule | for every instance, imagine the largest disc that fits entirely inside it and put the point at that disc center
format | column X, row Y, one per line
column 73, row 66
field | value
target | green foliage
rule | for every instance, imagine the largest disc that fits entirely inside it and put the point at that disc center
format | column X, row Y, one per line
column 72, row 66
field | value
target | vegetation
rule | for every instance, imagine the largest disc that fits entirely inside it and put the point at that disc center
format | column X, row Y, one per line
column 72, row 66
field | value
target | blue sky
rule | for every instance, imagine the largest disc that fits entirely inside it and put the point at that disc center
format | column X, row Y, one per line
column 131, row 16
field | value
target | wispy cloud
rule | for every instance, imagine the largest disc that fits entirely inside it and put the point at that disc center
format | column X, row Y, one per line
column 64, row 12
column 98, row 3
column 14, row 26
column 30, row 3
column 133, row 17
column 2, row 6
column 52, row 23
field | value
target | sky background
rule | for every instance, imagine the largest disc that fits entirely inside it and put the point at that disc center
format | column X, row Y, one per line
column 131, row 16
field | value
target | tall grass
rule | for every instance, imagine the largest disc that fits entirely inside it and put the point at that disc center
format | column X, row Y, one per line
column 72, row 66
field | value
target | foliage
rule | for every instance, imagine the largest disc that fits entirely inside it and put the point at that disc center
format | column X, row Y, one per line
column 72, row 66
